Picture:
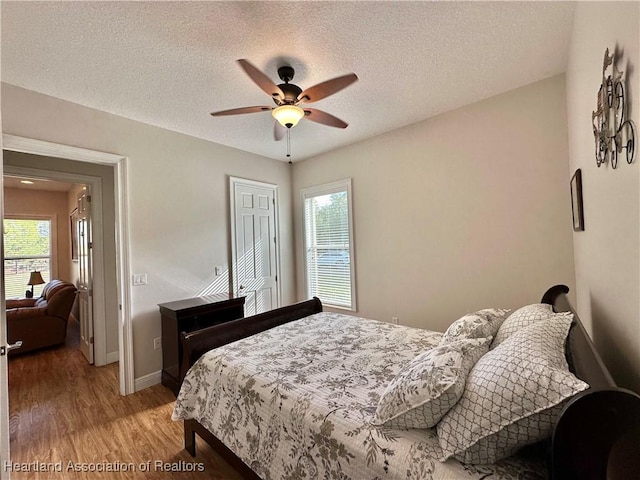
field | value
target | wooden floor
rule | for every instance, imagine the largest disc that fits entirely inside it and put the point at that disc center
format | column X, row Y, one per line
column 68, row 415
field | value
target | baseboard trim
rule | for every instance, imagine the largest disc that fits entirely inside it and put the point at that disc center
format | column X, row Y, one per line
column 113, row 357
column 147, row 381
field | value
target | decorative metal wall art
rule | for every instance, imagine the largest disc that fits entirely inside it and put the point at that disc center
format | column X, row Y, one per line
column 612, row 130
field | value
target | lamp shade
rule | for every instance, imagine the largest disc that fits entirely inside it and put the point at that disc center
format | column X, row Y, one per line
column 288, row 115
column 35, row 279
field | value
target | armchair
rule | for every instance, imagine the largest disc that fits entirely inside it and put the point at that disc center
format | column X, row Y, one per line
column 40, row 322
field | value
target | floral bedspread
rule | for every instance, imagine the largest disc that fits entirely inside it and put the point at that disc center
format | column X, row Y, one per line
column 296, row 402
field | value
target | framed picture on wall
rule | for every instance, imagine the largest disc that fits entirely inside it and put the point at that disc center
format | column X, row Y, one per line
column 576, row 201
column 73, row 218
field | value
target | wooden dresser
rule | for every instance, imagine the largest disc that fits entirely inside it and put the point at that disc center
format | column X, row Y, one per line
column 189, row 315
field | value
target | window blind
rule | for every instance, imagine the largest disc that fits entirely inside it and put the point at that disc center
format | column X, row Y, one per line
column 27, row 248
column 328, row 247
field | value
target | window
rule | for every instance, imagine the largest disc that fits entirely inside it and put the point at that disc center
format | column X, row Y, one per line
column 329, row 259
column 27, row 248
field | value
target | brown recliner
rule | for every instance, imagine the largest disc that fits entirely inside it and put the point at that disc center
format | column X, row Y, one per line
column 40, row 322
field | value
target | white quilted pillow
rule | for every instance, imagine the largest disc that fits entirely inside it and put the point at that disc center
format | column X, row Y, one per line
column 480, row 324
column 423, row 391
column 521, row 318
column 513, row 395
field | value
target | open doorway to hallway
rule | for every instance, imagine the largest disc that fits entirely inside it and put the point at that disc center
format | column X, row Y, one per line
column 54, row 212
column 99, row 198
column 46, row 235
column 40, row 240
column 23, row 155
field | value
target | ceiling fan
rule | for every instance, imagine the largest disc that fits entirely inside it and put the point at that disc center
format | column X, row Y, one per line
column 288, row 97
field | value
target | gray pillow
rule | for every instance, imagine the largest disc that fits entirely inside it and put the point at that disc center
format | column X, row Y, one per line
column 423, row 391
column 513, row 395
column 480, row 324
column 521, row 318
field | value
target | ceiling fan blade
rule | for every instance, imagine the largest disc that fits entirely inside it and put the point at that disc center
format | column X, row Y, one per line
column 324, row 89
column 238, row 111
column 278, row 131
column 325, row 118
column 261, row 79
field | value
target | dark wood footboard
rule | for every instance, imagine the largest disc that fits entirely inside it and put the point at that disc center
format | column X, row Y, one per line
column 598, row 433
column 195, row 344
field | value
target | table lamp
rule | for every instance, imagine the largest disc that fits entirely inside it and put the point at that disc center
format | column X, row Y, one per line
column 34, row 279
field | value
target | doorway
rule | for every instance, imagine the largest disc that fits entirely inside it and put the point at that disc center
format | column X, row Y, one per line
column 47, row 155
column 12, row 143
column 44, row 224
column 97, row 313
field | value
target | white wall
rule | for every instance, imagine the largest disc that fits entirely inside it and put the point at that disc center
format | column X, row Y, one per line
column 607, row 258
column 466, row 210
column 178, row 202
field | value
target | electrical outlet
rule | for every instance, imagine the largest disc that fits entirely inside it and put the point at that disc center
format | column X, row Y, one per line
column 395, row 320
column 139, row 279
column 157, row 343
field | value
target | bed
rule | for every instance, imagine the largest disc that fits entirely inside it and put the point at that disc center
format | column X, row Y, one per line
column 296, row 393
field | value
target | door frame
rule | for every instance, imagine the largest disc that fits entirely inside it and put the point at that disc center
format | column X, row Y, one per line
column 123, row 267
column 4, row 372
column 233, row 181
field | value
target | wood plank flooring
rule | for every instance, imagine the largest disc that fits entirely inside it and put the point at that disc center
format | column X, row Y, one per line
column 68, row 415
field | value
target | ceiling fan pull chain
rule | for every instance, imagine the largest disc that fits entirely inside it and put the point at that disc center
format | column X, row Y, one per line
column 289, row 145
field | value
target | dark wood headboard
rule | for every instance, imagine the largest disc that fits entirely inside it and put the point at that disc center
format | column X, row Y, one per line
column 598, row 433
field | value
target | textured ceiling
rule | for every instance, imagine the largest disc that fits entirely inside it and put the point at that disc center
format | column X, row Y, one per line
column 171, row 63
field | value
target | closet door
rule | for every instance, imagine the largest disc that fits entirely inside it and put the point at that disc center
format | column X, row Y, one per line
column 254, row 241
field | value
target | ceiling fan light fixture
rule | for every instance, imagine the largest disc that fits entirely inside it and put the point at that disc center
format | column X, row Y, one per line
column 288, row 115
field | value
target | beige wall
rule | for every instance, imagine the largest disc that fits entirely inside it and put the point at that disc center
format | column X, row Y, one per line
column 18, row 201
column 466, row 210
column 607, row 258
column 178, row 202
